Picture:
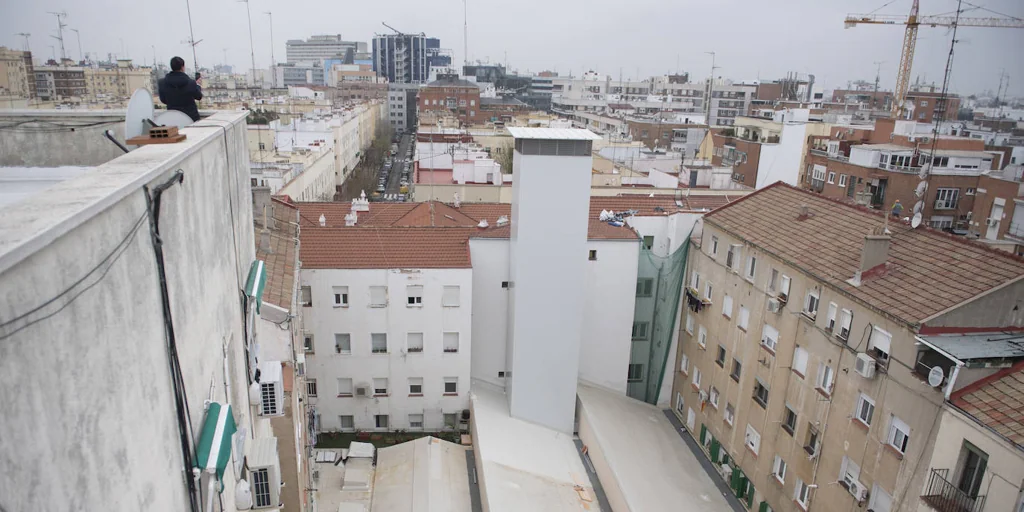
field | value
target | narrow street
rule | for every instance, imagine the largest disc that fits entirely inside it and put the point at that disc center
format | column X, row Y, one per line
column 395, row 177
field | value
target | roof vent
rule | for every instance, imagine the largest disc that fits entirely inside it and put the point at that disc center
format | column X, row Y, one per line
column 351, row 218
column 503, row 220
column 323, row 221
column 483, row 224
column 362, row 204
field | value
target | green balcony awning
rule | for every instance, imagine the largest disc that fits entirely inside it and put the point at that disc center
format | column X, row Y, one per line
column 256, row 282
column 214, row 449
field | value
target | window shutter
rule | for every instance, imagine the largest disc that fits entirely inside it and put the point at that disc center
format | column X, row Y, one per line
column 703, row 434
column 763, row 507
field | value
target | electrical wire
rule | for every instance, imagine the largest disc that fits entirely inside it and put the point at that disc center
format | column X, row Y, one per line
column 105, row 264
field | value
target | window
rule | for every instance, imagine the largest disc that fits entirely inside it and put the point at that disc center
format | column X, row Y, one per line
column 696, row 377
column 345, row 386
column 811, row 304
column 311, row 388
column 702, row 337
column 878, row 344
column 970, row 191
column 416, row 386
column 970, row 469
column 720, row 359
column 342, row 343
column 779, row 469
column 648, row 242
column 744, row 318
column 801, row 493
column 899, row 434
column 800, row 361
column 819, row 173
column 689, row 323
column 451, row 342
column 306, row 296
column 348, row 423
column 451, row 385
column 789, row 420
column 825, row 376
column 414, row 342
column 307, row 342
column 261, row 487
column 680, row 404
column 450, row 297
column 769, row 338
column 865, row 409
column 714, row 246
column 732, row 258
column 378, row 296
column 761, row 393
column 752, row 439
column 504, row 284
column 635, row 373
column 416, row 421
column 946, row 198
column 379, row 343
column 832, row 178
column 737, row 369
column 713, row 397
column 784, row 287
column 751, row 267
column 695, row 281
column 684, row 364
column 727, row 306
column 845, row 322
column 730, row 414
column 881, row 501
column 451, row 420
column 842, row 180
column 414, row 295
column 340, row 296
column 849, row 472
column 593, row 255
column 773, row 280
column 708, row 289
column 644, row 287
column 812, row 440
column 380, row 387
column 380, row 420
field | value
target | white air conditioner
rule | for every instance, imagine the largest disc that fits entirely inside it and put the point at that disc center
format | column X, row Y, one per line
column 361, row 391
column 271, row 389
column 774, row 305
column 726, row 471
column 992, row 222
column 264, row 466
column 865, row 366
column 859, row 491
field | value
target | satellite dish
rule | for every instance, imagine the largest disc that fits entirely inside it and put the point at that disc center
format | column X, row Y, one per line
column 919, row 207
column 921, row 189
column 916, row 221
column 139, row 114
column 935, row 377
column 173, row 118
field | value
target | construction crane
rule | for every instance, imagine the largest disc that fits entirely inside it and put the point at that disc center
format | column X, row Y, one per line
column 913, row 22
column 399, row 32
column 26, row 36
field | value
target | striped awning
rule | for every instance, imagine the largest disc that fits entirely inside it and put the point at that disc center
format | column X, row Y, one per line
column 256, row 282
column 214, row 449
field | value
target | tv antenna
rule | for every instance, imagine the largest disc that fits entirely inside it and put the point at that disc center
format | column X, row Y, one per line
column 60, row 31
column 25, row 35
column 192, row 37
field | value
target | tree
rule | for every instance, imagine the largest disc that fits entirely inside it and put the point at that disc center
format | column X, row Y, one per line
column 503, row 156
column 261, row 116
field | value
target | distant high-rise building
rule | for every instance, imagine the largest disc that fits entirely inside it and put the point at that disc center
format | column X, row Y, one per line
column 401, row 58
column 321, row 47
column 437, row 57
column 14, row 74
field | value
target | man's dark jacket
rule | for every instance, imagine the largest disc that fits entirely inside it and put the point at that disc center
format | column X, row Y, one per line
column 179, row 92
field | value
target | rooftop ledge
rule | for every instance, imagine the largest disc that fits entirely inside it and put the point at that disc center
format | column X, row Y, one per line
column 31, row 224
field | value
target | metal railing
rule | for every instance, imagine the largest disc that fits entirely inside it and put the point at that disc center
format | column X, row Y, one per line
column 943, row 496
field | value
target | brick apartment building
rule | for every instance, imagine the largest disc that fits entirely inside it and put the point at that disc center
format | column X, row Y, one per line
column 926, row 106
column 657, row 134
column 453, row 95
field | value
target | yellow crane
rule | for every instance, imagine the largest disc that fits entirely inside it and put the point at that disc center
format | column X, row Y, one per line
column 913, row 22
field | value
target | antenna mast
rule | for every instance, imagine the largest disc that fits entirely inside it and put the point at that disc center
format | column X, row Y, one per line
column 465, row 33
column 60, row 31
column 25, row 35
column 192, row 38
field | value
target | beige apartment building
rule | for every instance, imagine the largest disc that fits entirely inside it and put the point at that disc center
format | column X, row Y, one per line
column 119, row 81
column 14, row 75
column 800, row 367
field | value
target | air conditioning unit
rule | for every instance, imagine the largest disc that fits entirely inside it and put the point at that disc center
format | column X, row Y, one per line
column 774, row 305
column 858, row 491
column 865, row 366
column 271, row 389
column 726, row 471
column 992, row 222
column 316, row 475
column 264, row 466
column 361, row 391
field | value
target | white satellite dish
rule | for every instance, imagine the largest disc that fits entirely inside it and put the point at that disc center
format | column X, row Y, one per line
column 139, row 114
column 916, row 221
column 173, row 118
column 921, row 189
column 935, row 377
column 919, row 207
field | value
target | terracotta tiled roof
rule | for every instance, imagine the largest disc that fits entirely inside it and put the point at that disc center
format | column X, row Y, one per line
column 997, row 402
column 281, row 258
column 374, row 247
column 927, row 271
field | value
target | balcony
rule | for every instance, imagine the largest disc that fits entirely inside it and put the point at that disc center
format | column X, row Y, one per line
column 943, row 496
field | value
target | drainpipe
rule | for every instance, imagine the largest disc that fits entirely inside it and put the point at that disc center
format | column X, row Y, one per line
column 952, row 379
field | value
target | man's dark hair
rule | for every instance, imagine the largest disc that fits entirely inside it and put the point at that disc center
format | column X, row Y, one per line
column 177, row 64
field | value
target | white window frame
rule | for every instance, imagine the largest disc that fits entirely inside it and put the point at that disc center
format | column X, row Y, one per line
column 702, row 337
column 695, row 281
column 451, row 296
column 311, row 388
column 727, row 306
column 340, row 296
column 859, row 413
column 881, row 338
column 801, row 493
column 713, row 396
column 634, row 372
column 378, row 296
column 414, row 342
column 752, row 439
column 751, row 267
column 714, row 245
column 689, row 323
column 811, row 303
column 733, row 257
column 351, row 423
column 377, row 421
column 345, row 383
column 339, row 346
column 779, row 469
column 730, row 414
column 415, row 418
column 380, row 386
column 418, row 383
column 308, row 343
column 708, row 291
column 826, row 379
column 695, row 380
column 414, row 295
column 849, row 472
column 842, row 180
column 946, row 198
column 800, row 358
column 451, row 342
column 684, row 364
column 640, row 330
column 374, row 337
column 450, row 383
column 899, row 434
column 845, row 324
column 830, row 320
column 744, row 319
column 831, row 177
column 769, row 338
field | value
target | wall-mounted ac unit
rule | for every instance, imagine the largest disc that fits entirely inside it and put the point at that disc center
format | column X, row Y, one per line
column 774, row 305
column 865, row 366
column 264, row 472
column 271, row 389
column 992, row 222
column 362, row 391
column 859, row 491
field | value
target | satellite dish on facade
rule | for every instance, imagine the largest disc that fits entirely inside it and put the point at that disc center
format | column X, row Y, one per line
column 916, row 221
column 919, row 207
column 935, row 377
column 139, row 114
column 921, row 189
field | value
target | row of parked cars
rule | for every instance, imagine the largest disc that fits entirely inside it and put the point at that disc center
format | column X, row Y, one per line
column 396, row 163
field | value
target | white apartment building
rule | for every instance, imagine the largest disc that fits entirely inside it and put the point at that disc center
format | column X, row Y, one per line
column 319, row 47
column 402, row 106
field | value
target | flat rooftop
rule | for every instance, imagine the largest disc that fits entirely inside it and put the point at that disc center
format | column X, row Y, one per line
column 20, row 183
column 524, row 466
column 423, row 475
column 648, row 465
column 552, row 133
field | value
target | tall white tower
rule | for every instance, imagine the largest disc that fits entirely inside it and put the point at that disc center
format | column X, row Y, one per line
column 547, row 258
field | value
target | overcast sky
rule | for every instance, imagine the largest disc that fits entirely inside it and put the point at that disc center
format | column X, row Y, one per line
column 752, row 38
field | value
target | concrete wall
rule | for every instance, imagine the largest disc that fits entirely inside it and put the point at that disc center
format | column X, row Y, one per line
column 609, row 292
column 103, row 434
column 83, row 146
column 467, row 193
column 490, row 308
column 997, row 309
column 323, row 320
column 609, row 483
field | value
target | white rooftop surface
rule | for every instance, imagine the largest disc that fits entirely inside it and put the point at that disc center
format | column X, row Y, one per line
column 330, row 497
column 524, row 466
column 651, row 466
column 423, row 475
column 20, row 183
column 553, row 133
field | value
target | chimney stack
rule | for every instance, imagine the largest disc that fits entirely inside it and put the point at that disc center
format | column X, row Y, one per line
column 265, row 240
column 874, row 254
column 323, row 221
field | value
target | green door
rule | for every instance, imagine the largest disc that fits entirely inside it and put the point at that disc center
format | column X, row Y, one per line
column 763, row 507
column 750, row 495
column 703, row 434
column 714, row 449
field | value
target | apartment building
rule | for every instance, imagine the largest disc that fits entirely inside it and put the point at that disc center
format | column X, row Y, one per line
column 402, row 106
column 117, row 81
column 401, row 58
column 14, row 75
column 319, row 47
column 925, row 105
column 55, row 82
column 451, row 95
column 762, row 151
column 299, row 73
column 800, row 368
